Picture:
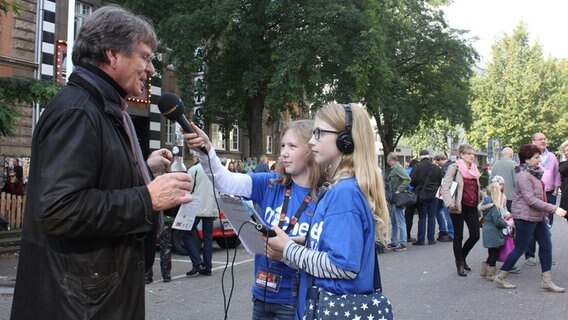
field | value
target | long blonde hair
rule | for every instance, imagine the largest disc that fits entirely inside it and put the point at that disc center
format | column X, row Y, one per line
column 303, row 131
column 494, row 190
column 362, row 163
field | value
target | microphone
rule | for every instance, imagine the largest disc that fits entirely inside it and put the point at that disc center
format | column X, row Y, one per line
column 172, row 108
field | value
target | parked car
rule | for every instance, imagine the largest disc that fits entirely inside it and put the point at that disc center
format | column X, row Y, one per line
column 223, row 234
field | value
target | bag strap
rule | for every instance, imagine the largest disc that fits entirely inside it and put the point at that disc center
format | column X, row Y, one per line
column 377, row 285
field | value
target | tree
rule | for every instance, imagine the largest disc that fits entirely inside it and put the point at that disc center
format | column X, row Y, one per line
column 21, row 90
column 434, row 135
column 257, row 55
column 520, row 93
column 398, row 58
column 7, row 5
column 417, row 73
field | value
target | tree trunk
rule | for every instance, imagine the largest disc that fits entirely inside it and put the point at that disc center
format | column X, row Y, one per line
column 255, row 125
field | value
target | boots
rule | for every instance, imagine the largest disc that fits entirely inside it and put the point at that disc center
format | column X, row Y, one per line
column 460, row 268
column 501, row 280
column 547, row 285
column 490, row 273
column 483, row 271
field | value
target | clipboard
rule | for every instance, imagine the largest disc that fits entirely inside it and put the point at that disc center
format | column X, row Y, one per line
column 240, row 212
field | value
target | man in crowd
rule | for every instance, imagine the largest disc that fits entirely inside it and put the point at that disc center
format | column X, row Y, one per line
column 18, row 169
column 91, row 198
column 426, row 178
column 262, row 166
column 399, row 181
column 445, row 225
column 505, row 167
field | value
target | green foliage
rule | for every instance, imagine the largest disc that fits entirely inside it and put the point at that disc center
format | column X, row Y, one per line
column 519, row 94
column 21, row 90
column 399, row 58
column 15, row 7
column 433, row 136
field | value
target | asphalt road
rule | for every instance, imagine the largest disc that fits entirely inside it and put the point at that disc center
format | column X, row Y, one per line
column 421, row 283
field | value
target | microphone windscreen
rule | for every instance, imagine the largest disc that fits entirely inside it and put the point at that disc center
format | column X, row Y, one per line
column 170, row 106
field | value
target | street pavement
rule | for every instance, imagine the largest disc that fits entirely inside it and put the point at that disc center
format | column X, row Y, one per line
column 421, row 283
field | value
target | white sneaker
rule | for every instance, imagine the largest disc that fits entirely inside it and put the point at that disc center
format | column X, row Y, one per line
column 531, row 261
column 515, row 270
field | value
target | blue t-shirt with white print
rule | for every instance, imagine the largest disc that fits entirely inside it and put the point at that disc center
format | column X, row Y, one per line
column 270, row 197
column 343, row 227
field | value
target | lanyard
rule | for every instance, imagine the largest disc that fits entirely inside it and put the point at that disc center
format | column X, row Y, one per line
column 298, row 213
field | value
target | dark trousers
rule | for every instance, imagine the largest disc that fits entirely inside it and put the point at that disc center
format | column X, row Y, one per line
column 427, row 216
column 165, row 248
column 409, row 217
column 192, row 244
column 531, row 249
column 492, row 256
column 525, row 231
column 470, row 216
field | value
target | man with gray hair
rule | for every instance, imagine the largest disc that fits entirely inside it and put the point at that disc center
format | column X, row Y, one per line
column 505, row 167
column 92, row 194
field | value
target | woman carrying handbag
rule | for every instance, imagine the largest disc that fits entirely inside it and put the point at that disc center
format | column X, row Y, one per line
column 462, row 201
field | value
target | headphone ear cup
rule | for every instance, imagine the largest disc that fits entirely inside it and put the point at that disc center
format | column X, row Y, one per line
column 345, row 143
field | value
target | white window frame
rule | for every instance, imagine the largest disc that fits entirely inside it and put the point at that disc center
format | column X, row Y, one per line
column 82, row 11
column 234, row 139
column 269, row 141
column 217, row 138
column 170, row 132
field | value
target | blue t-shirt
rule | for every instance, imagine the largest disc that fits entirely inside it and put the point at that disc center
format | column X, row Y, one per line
column 343, row 227
column 270, row 197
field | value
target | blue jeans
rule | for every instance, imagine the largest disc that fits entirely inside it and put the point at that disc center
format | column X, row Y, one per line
column 272, row 311
column 427, row 211
column 192, row 244
column 525, row 231
column 445, row 224
column 531, row 249
column 398, row 221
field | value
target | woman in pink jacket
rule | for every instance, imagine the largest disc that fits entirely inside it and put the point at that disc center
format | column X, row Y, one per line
column 530, row 211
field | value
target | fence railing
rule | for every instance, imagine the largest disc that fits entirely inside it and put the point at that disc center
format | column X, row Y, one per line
column 12, row 209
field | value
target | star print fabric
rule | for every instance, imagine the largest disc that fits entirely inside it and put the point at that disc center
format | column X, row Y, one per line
column 326, row 305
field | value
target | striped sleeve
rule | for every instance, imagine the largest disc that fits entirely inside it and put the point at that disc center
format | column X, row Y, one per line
column 315, row 263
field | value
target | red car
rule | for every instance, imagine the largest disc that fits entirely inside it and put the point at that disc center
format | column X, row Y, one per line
column 228, row 240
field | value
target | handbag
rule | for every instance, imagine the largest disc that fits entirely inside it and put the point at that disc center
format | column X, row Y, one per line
column 404, row 198
column 325, row 305
column 507, row 247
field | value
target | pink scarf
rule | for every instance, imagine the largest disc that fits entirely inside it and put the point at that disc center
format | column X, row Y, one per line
column 471, row 173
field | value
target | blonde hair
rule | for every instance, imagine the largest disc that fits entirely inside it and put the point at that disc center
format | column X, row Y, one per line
column 494, row 190
column 303, row 130
column 362, row 163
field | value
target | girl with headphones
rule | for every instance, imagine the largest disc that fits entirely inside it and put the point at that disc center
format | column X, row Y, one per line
column 339, row 253
column 287, row 198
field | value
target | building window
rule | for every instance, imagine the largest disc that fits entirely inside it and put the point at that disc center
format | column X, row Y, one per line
column 234, row 139
column 217, row 139
column 269, row 144
column 170, row 132
column 82, row 10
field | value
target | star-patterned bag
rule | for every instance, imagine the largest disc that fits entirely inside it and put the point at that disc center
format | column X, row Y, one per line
column 327, row 305
column 323, row 305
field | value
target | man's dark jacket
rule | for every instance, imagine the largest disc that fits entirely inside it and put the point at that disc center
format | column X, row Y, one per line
column 86, row 214
column 426, row 178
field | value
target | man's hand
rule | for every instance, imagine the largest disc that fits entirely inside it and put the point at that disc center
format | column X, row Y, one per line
column 159, row 161
column 170, row 190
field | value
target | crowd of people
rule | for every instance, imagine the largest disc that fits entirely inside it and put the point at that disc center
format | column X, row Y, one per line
column 519, row 203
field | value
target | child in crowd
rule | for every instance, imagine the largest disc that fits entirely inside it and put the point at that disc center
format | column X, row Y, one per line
column 281, row 195
column 339, row 253
column 493, row 225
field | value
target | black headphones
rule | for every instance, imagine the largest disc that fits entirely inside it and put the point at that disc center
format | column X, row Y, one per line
column 344, row 140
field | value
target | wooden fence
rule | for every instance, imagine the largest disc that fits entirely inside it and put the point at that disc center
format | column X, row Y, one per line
column 12, row 209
